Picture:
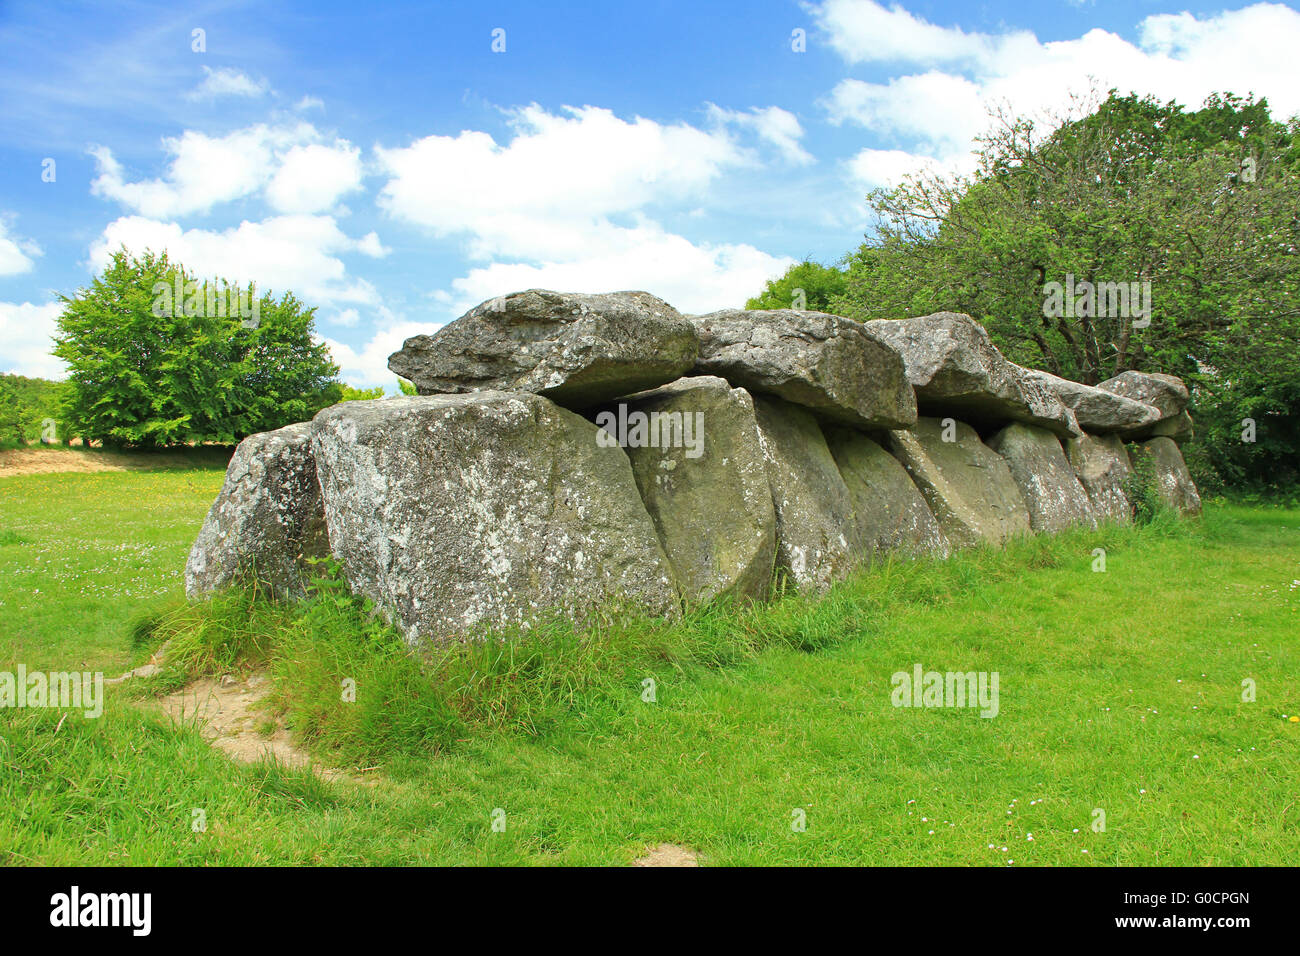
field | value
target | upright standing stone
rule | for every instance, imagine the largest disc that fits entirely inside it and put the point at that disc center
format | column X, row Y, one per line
column 1101, row 464
column 454, row 512
column 889, row 511
column 577, row 350
column 814, row 513
column 967, row 484
column 1173, row 481
column 1052, row 493
column 699, row 466
column 266, row 522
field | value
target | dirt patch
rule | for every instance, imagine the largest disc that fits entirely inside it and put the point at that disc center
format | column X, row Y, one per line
column 229, row 712
column 668, row 854
column 36, row 461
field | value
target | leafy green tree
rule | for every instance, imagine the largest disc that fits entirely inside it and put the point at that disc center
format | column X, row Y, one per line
column 405, row 387
column 1198, row 213
column 36, row 400
column 350, row 394
column 157, row 358
column 11, row 415
column 820, row 286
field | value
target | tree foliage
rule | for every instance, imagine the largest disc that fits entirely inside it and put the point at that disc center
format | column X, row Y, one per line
column 147, row 369
column 820, row 285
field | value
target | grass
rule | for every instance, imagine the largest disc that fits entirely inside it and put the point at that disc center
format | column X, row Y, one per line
column 1119, row 691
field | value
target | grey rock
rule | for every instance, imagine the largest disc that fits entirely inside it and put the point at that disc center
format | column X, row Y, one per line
column 456, row 513
column 814, row 512
column 823, row 362
column 1102, row 466
column 267, row 520
column 889, row 512
column 1055, row 498
column 956, row 370
column 967, row 485
column 1173, row 482
column 1097, row 410
column 701, row 474
column 577, row 350
column 1166, row 393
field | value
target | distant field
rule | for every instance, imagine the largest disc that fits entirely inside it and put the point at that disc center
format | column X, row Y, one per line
column 1119, row 691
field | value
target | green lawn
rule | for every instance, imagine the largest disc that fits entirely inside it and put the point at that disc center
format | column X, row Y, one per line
column 1119, row 691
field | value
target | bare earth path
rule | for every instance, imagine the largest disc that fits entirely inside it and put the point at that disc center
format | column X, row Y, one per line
column 40, row 460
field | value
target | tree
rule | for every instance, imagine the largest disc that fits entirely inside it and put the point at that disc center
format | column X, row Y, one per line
column 349, row 394
column 156, row 357
column 1134, row 235
column 820, row 286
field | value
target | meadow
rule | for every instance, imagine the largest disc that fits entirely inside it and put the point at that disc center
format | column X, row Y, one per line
column 770, row 735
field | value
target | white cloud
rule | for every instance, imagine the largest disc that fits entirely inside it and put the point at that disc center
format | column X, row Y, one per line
column 776, row 127
column 227, row 82
column 887, row 167
column 26, row 332
column 295, row 253
column 572, row 169
column 564, row 205
column 941, row 111
column 289, row 162
column 693, row 277
column 312, row 178
column 16, row 254
column 367, row 366
column 862, row 31
column 934, row 115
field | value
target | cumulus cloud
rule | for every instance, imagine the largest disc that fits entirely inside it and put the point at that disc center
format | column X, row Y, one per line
column 227, row 82
column 26, row 331
column 573, row 169
column 772, row 125
column 314, row 177
column 296, row 253
column 935, row 113
column 566, row 204
column 16, row 254
column 298, row 172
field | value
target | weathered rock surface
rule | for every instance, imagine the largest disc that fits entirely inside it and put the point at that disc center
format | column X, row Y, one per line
column 814, row 512
column 1101, row 464
column 266, row 521
column 889, row 511
column 823, row 362
column 1096, row 409
column 454, row 512
column 701, row 473
column 1173, row 481
column 956, row 370
column 967, row 485
column 577, row 350
column 1166, row 393
column 1053, row 495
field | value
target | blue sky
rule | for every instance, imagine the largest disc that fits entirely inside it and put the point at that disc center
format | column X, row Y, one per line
column 392, row 169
